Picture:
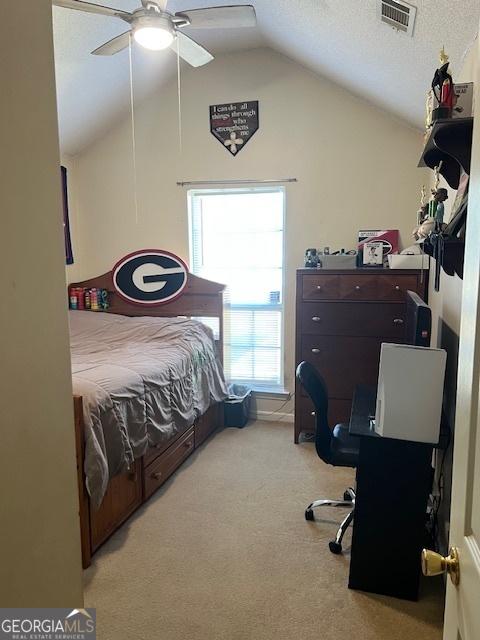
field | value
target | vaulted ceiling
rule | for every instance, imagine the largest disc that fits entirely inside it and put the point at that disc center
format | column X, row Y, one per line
column 342, row 40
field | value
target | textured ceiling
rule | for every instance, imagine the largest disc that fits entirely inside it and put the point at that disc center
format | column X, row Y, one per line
column 340, row 39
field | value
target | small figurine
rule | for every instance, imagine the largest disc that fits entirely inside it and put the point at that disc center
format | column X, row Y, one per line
column 440, row 196
column 430, row 216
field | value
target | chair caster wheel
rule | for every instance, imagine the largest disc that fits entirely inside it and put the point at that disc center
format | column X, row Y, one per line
column 347, row 497
column 335, row 547
column 309, row 515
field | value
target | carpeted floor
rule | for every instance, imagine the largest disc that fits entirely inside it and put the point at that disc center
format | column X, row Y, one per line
column 222, row 552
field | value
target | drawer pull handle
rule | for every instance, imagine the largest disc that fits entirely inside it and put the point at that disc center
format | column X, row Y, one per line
column 316, row 318
column 187, row 445
column 312, row 413
column 397, row 287
column 157, row 475
column 319, row 287
column 397, row 321
column 357, row 287
column 315, row 350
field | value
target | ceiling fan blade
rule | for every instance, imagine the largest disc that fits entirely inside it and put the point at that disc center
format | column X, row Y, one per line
column 114, row 45
column 191, row 51
column 221, row 17
column 89, row 7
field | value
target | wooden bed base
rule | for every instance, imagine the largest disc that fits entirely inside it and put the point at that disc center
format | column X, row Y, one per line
column 126, row 492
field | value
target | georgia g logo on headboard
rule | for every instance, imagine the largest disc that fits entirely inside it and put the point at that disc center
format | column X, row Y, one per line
column 150, row 277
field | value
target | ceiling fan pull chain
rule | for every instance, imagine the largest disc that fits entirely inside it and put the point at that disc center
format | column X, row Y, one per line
column 134, row 145
column 179, row 89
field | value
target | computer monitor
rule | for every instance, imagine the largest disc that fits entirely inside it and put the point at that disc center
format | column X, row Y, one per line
column 418, row 321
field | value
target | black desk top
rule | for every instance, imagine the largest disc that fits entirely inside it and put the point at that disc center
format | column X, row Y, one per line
column 363, row 409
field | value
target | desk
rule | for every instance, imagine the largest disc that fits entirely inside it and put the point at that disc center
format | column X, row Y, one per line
column 394, row 479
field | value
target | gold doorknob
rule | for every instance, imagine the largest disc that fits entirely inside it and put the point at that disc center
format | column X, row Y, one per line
column 433, row 564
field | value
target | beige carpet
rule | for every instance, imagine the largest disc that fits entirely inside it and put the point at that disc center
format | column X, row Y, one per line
column 222, row 552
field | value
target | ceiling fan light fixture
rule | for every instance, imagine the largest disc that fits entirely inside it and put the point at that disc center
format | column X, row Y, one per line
column 155, row 34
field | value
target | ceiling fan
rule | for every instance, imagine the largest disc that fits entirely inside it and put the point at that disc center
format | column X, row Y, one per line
column 155, row 28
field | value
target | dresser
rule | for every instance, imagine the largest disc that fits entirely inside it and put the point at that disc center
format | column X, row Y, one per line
column 342, row 318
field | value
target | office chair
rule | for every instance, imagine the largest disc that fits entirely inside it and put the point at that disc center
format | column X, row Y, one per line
column 336, row 447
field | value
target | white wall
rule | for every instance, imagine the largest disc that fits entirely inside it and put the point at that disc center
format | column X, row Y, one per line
column 39, row 534
column 355, row 164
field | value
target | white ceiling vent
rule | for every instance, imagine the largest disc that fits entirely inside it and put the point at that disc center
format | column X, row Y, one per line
column 399, row 15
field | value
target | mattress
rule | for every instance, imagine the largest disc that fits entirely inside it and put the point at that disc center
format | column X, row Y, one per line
column 142, row 380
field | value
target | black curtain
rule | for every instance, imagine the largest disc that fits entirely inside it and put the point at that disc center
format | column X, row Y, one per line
column 66, row 221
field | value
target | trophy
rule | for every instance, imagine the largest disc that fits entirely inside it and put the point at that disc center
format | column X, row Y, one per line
column 443, row 91
column 433, row 203
column 421, row 211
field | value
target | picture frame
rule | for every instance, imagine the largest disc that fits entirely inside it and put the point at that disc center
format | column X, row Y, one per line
column 373, row 254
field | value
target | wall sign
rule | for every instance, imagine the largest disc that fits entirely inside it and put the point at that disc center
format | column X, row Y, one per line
column 233, row 124
column 150, row 277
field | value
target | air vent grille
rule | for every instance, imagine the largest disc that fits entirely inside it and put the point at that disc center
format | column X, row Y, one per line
column 399, row 15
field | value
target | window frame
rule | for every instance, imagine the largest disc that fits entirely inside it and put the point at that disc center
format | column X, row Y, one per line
column 235, row 190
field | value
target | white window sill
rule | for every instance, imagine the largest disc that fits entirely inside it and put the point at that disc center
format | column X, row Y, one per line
column 276, row 394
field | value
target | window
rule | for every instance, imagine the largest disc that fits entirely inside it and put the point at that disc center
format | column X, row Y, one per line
column 236, row 237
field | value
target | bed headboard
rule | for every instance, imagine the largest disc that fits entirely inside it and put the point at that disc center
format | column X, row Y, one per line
column 199, row 298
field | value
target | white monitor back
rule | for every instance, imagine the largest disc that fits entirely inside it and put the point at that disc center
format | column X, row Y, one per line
column 410, row 392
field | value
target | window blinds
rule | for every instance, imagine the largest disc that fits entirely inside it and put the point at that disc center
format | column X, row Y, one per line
column 236, row 237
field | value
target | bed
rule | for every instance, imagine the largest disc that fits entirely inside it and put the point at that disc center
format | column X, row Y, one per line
column 148, row 389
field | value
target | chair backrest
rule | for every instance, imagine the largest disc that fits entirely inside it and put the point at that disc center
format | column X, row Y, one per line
column 315, row 386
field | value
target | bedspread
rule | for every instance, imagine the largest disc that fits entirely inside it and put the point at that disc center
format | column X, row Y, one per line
column 142, row 381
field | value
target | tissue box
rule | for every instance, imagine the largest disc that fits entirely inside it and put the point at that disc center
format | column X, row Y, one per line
column 405, row 261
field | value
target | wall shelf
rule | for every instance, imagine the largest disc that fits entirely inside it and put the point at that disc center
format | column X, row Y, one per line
column 450, row 141
column 453, row 254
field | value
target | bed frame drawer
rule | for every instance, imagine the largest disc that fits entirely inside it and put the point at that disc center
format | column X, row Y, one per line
column 208, row 423
column 155, row 474
column 154, row 452
column 123, row 496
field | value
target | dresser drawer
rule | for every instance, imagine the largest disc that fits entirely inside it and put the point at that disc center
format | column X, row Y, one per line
column 338, row 411
column 391, row 288
column 305, row 413
column 359, row 287
column 162, row 468
column 344, row 361
column 353, row 319
column 320, row 287
column 395, row 288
